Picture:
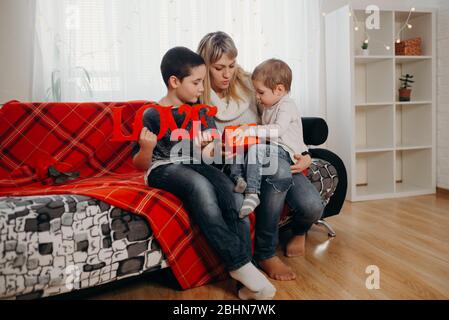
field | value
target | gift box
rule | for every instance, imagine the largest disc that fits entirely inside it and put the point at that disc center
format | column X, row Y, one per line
column 409, row 47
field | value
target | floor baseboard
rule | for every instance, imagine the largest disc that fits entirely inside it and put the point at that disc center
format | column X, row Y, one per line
column 442, row 191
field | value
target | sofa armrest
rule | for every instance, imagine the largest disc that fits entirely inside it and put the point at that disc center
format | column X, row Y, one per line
column 336, row 201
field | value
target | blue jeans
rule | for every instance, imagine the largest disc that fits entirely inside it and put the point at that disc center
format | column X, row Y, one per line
column 259, row 160
column 207, row 194
column 276, row 190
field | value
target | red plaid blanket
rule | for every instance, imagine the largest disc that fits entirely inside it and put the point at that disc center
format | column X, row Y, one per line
column 76, row 137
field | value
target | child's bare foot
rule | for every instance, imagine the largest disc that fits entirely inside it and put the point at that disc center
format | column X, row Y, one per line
column 276, row 269
column 296, row 247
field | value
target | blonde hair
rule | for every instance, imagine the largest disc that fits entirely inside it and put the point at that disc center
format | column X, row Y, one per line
column 273, row 72
column 211, row 48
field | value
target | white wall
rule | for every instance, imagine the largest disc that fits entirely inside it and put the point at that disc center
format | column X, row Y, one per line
column 330, row 5
column 16, row 54
column 443, row 96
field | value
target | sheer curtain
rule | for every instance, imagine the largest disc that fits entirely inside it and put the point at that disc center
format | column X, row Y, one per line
column 110, row 50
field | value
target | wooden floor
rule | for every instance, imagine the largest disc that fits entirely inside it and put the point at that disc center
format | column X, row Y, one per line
column 407, row 239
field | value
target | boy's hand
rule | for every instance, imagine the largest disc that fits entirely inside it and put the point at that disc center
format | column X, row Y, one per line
column 227, row 154
column 206, row 138
column 147, row 139
column 203, row 138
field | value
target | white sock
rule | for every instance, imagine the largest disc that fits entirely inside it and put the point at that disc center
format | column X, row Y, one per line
column 264, row 294
column 250, row 203
column 251, row 277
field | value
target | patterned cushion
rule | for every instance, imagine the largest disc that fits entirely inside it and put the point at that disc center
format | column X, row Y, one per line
column 51, row 245
column 324, row 177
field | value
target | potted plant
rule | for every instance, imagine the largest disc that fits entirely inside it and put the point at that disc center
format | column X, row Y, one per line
column 404, row 91
column 365, row 50
column 54, row 92
column 73, row 78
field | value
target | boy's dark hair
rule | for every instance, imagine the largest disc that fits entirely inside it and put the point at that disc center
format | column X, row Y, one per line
column 179, row 62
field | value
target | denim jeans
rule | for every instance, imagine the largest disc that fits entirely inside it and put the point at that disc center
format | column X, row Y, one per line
column 207, row 194
column 276, row 190
column 305, row 202
column 259, row 161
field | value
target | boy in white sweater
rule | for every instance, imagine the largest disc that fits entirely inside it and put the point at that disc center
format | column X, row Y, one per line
column 281, row 124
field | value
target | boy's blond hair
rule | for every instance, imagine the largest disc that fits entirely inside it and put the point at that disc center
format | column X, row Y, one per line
column 211, row 48
column 273, row 72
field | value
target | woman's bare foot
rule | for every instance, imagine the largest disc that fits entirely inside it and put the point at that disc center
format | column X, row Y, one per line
column 296, row 247
column 276, row 269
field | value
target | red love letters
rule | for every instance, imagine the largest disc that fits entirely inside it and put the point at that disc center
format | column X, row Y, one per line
column 192, row 113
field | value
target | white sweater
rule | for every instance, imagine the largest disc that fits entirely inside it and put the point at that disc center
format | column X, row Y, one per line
column 234, row 113
column 282, row 124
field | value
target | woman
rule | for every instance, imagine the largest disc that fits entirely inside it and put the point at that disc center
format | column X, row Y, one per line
column 206, row 192
column 229, row 87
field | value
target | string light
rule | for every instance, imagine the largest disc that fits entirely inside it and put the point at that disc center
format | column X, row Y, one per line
column 356, row 22
column 406, row 24
column 367, row 38
column 366, row 35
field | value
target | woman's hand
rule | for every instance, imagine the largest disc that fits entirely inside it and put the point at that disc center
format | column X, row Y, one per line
column 147, row 139
column 302, row 164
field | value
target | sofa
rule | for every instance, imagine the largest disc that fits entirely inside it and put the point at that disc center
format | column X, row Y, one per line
column 75, row 213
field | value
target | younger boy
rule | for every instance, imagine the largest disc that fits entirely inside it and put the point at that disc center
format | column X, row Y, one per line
column 281, row 124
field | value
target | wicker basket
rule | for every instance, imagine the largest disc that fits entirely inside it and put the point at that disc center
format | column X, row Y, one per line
column 409, row 47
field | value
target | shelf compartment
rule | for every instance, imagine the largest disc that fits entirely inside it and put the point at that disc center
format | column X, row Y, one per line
column 421, row 27
column 374, row 127
column 374, row 82
column 413, row 125
column 413, row 170
column 374, row 173
column 379, row 39
column 422, row 72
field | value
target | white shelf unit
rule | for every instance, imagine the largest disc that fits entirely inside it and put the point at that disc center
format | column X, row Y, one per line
column 388, row 146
